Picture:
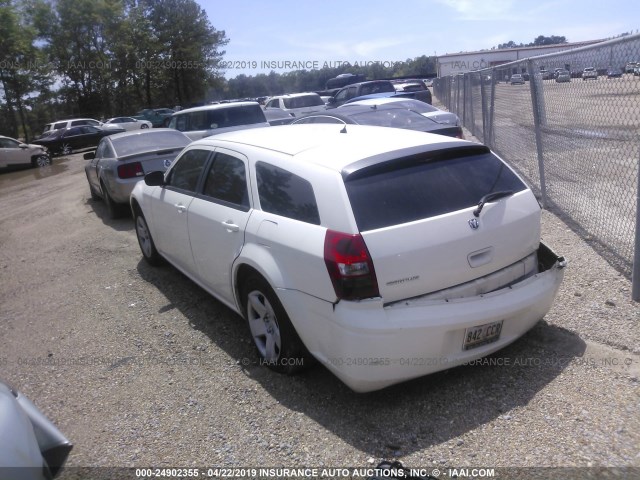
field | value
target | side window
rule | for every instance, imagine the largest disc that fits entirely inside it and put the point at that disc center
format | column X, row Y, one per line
column 227, row 181
column 72, row 132
column 186, row 172
column 286, row 194
column 273, row 103
column 180, row 123
column 8, row 143
column 342, row 95
column 351, row 92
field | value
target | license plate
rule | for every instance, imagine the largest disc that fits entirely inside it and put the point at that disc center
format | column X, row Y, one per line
column 482, row 335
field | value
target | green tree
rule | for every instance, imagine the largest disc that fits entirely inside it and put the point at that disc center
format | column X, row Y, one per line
column 190, row 50
column 22, row 72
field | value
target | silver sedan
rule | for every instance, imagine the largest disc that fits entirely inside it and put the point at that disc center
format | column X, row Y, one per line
column 123, row 159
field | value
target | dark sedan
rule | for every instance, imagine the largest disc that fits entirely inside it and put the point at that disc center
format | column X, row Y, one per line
column 382, row 115
column 65, row 140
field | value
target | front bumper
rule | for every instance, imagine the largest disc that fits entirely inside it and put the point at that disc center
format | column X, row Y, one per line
column 370, row 346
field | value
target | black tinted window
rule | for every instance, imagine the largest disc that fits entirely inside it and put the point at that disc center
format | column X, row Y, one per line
column 184, row 175
column 304, row 101
column 227, row 180
column 73, row 131
column 283, row 193
column 425, row 186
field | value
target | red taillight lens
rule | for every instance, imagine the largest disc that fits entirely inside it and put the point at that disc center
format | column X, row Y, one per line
column 130, row 170
column 349, row 265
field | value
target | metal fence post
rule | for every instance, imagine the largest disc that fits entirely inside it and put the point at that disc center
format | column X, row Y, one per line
column 535, row 82
column 492, row 102
column 635, row 276
column 483, row 108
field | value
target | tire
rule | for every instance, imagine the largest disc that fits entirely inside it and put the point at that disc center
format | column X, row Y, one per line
column 92, row 191
column 144, row 125
column 274, row 337
column 147, row 247
column 41, row 161
column 66, row 149
column 114, row 209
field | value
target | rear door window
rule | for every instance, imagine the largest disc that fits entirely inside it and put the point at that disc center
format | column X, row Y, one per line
column 284, row 193
column 424, row 186
column 227, row 182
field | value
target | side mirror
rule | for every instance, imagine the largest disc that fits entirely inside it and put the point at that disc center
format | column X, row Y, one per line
column 331, row 101
column 89, row 155
column 23, row 146
column 154, row 179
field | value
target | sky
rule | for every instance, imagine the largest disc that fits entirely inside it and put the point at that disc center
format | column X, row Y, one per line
column 265, row 36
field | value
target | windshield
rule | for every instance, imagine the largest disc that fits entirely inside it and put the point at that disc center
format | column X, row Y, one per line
column 148, row 142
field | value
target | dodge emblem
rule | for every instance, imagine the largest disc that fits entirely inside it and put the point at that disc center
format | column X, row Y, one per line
column 474, row 224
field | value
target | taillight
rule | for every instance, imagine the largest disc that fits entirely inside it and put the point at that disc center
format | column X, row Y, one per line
column 349, row 265
column 130, row 170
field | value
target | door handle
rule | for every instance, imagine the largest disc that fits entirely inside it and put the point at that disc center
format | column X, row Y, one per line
column 181, row 208
column 230, row 226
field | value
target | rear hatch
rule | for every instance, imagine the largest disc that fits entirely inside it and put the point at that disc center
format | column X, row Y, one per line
column 416, row 216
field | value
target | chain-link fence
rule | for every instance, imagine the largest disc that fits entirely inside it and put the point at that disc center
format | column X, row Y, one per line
column 569, row 122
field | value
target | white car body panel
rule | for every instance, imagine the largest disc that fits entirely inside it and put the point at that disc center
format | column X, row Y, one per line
column 369, row 346
column 406, row 256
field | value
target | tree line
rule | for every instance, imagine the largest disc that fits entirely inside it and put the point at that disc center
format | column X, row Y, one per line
column 100, row 58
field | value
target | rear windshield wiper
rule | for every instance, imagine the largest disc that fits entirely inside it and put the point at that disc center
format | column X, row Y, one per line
column 491, row 197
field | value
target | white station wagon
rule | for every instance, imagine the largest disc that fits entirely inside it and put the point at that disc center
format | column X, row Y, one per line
column 386, row 254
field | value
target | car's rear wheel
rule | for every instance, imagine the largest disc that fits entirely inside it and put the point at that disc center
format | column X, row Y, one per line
column 275, row 338
column 42, row 161
column 144, row 125
column 147, row 247
column 114, row 209
column 66, row 149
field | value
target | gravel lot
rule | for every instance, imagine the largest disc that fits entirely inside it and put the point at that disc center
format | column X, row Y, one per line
column 140, row 367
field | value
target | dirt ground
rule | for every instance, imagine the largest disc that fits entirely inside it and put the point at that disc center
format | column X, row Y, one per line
column 141, row 368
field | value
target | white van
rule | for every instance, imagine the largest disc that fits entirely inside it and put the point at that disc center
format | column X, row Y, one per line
column 200, row 122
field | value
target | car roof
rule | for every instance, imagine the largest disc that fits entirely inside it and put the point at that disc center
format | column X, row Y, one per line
column 331, row 145
column 292, row 95
column 216, row 107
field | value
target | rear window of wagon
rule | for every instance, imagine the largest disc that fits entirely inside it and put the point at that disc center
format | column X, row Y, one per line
column 425, row 186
